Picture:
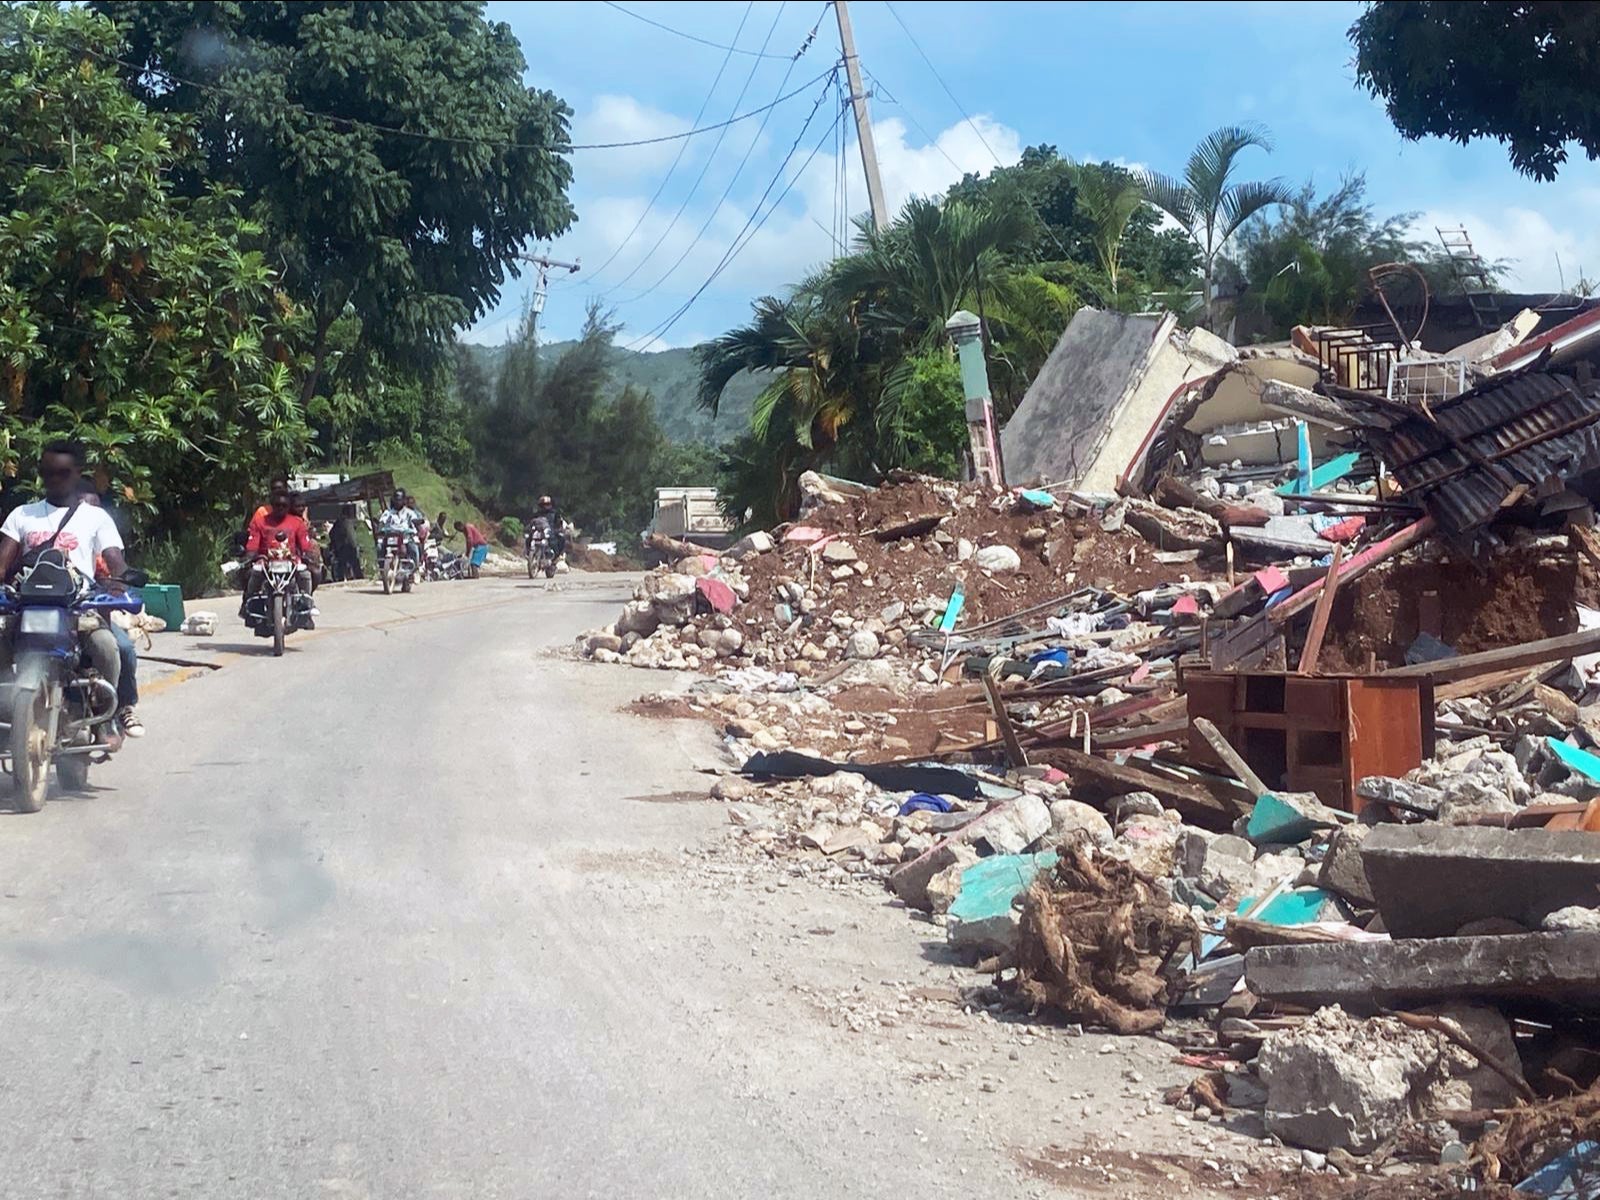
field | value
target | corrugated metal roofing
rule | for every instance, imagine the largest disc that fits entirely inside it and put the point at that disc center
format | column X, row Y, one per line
column 1506, row 440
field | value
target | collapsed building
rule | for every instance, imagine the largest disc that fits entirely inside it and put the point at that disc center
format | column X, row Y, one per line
column 1261, row 709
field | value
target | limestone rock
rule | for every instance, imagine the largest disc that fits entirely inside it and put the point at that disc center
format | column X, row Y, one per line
column 998, row 559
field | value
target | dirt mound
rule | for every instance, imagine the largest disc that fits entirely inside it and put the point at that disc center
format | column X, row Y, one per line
column 586, row 558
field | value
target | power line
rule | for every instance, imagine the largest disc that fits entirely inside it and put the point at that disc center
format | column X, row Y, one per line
column 678, row 158
column 737, row 245
column 711, row 155
column 738, row 171
column 762, row 53
column 880, row 90
column 449, row 139
column 973, row 125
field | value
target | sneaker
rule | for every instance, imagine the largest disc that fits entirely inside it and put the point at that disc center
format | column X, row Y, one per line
column 131, row 725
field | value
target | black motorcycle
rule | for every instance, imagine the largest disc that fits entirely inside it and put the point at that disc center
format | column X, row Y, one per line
column 540, row 548
column 281, row 605
column 61, row 709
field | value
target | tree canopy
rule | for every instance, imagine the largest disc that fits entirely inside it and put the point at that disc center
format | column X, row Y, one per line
column 132, row 318
column 391, row 151
column 1523, row 74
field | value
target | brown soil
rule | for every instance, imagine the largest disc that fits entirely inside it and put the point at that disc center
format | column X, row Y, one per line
column 586, row 558
column 1519, row 596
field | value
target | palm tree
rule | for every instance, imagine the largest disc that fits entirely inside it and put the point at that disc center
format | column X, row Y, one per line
column 1108, row 197
column 1206, row 202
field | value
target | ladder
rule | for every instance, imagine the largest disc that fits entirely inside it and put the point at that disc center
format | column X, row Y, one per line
column 1472, row 274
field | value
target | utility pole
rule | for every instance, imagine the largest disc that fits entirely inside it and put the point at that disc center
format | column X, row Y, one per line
column 541, row 286
column 858, row 101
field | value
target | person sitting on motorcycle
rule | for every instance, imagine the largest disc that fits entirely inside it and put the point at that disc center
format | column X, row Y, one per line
column 400, row 517
column 128, row 682
column 82, row 532
column 297, row 543
column 553, row 521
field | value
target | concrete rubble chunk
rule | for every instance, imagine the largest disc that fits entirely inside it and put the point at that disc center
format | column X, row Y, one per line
column 983, row 917
column 1013, row 827
column 1000, row 558
column 910, row 881
column 1429, row 880
column 1342, row 872
column 839, row 552
column 759, row 542
column 1340, row 1082
column 862, row 644
column 1069, row 817
column 1534, row 970
column 1573, row 917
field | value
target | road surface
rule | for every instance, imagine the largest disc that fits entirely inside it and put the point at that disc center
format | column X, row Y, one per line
column 412, row 912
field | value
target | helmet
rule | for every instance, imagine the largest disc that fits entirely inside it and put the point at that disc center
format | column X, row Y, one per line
column 546, row 502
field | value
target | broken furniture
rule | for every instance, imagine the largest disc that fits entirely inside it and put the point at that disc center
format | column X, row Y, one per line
column 1314, row 733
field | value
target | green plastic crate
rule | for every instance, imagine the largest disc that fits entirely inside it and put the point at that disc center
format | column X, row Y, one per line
column 164, row 600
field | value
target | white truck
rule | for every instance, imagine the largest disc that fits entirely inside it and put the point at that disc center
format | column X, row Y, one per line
column 691, row 514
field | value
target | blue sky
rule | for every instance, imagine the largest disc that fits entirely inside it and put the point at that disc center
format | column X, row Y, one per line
column 1135, row 83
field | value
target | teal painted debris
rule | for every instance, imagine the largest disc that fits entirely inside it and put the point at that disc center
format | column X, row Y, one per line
column 983, row 916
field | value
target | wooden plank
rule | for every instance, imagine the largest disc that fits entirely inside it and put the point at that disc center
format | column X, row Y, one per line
column 1529, row 654
column 1014, row 751
column 1190, row 800
column 1229, row 755
column 1140, row 735
column 1319, row 618
column 1358, row 565
column 1477, row 685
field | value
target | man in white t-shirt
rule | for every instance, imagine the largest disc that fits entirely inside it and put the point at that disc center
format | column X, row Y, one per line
column 88, row 535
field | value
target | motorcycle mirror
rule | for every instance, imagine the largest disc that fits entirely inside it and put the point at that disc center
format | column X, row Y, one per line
column 135, row 578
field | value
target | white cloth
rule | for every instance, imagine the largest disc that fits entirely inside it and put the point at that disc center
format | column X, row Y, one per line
column 91, row 532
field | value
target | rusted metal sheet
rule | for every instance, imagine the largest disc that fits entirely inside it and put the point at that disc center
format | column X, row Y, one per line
column 1503, row 442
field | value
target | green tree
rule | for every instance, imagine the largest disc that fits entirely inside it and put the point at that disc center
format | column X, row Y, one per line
column 1108, row 200
column 413, row 231
column 1523, row 74
column 131, row 318
column 1207, row 202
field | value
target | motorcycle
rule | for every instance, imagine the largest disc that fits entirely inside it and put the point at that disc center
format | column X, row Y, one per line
column 280, row 606
column 59, row 705
column 397, row 561
column 439, row 563
column 539, row 548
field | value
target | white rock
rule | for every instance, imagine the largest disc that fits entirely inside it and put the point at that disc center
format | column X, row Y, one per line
column 997, row 558
column 1573, row 917
column 862, row 644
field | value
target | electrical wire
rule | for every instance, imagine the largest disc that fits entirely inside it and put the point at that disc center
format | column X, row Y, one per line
column 881, row 91
column 677, row 159
column 734, row 49
column 741, row 240
column 738, row 171
column 449, row 139
column 915, row 45
column 710, row 158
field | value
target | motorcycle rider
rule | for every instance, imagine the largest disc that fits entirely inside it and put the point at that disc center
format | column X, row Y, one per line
column 128, row 683
column 400, row 517
column 82, row 532
column 264, row 531
column 553, row 521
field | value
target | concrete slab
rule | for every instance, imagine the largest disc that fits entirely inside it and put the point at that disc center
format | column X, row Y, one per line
column 1537, row 971
column 1430, row 880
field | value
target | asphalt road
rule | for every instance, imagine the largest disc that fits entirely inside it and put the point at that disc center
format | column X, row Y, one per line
column 403, row 914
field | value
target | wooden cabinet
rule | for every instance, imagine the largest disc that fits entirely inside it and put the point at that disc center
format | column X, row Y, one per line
column 1314, row 733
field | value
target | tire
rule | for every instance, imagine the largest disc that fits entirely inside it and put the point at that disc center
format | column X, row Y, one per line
column 532, row 567
column 30, row 756
column 387, row 572
column 73, row 772
column 405, row 584
column 550, row 569
column 280, row 623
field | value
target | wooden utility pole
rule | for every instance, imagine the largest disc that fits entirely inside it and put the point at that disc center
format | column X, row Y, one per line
column 858, row 101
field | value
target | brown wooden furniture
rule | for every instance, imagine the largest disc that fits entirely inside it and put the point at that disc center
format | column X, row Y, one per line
column 1314, row 733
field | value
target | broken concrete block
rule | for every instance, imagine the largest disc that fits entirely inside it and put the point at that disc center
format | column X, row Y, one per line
column 603, row 641
column 910, row 881
column 997, row 558
column 759, row 542
column 1150, row 845
column 983, row 918
column 944, row 887
column 1288, row 817
column 1070, row 817
column 839, row 552
column 1430, row 880
column 1337, row 1081
column 1535, row 969
column 638, row 617
column 1414, row 797
column 1342, row 872
column 1573, row 917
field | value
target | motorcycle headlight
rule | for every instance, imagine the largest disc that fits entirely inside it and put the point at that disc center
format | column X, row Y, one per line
column 43, row 620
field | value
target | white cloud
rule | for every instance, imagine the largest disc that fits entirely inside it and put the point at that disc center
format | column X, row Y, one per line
column 620, row 118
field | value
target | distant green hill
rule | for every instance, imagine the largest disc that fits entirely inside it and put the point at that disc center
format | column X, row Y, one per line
column 672, row 378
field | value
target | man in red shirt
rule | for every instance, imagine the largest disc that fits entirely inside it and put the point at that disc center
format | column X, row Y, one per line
column 263, row 541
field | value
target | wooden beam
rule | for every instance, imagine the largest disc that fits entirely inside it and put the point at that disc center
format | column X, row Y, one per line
column 1229, row 755
column 1359, row 565
column 1014, row 751
column 1529, row 654
column 1190, row 800
column 1319, row 618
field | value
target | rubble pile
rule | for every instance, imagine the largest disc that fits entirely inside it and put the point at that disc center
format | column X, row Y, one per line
column 1277, row 731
